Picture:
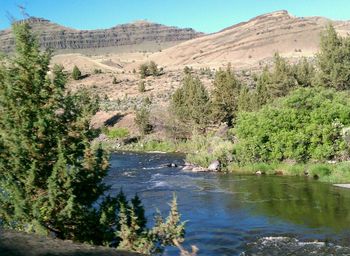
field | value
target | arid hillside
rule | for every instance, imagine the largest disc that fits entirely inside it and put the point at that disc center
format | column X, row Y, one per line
column 252, row 43
column 136, row 36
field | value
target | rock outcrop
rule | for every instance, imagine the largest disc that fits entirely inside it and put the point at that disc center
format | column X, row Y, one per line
column 144, row 34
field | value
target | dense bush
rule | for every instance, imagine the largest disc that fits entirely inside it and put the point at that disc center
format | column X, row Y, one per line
column 306, row 125
column 149, row 69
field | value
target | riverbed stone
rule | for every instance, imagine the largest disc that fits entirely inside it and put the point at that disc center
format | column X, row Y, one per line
column 199, row 169
column 214, row 166
column 187, row 168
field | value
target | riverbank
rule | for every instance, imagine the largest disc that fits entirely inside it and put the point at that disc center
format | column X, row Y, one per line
column 14, row 243
column 203, row 150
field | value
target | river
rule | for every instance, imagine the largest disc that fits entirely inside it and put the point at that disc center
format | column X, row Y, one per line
column 228, row 214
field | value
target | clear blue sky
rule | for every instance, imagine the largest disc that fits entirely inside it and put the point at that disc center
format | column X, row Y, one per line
column 203, row 15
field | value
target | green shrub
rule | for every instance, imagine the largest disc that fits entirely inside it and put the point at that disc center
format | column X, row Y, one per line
column 76, row 73
column 117, row 133
column 306, row 125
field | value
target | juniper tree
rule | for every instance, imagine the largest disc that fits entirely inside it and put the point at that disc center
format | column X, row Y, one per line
column 191, row 103
column 333, row 60
column 76, row 73
column 51, row 176
column 142, row 119
column 225, row 96
column 282, row 79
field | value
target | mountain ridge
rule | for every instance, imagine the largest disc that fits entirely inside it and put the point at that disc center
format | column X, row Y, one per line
column 252, row 42
column 58, row 37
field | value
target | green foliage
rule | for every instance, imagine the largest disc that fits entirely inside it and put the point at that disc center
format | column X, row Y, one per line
column 114, row 81
column 76, row 73
column 51, row 177
column 281, row 80
column 166, row 231
column 333, row 60
column 304, row 73
column 142, row 86
column 204, row 149
column 49, row 174
column 135, row 237
column 306, row 125
column 149, row 69
column 116, row 133
column 225, row 96
column 191, row 104
column 153, row 68
column 142, row 119
column 144, row 72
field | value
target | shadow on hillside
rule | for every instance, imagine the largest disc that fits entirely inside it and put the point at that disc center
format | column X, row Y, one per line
column 113, row 120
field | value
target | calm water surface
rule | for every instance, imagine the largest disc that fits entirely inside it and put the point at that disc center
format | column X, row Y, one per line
column 239, row 215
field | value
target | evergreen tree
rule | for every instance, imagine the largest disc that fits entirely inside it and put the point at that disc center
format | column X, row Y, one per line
column 76, row 73
column 304, row 73
column 333, row 60
column 245, row 99
column 172, row 228
column 282, row 78
column 139, row 212
column 191, row 104
column 51, row 177
column 261, row 95
column 142, row 120
column 225, row 96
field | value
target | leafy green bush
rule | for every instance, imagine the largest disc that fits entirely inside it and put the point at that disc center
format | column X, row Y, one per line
column 306, row 125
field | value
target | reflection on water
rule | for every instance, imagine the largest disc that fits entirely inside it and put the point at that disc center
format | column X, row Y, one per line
column 228, row 214
column 298, row 200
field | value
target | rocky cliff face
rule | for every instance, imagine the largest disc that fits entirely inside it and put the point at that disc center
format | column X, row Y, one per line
column 139, row 33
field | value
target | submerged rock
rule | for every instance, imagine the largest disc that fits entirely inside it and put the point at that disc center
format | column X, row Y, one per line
column 199, row 169
column 187, row 168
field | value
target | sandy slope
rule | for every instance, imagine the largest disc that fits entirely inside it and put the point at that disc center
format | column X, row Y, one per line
column 249, row 43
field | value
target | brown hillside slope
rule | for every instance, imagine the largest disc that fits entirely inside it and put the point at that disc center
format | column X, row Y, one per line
column 250, row 43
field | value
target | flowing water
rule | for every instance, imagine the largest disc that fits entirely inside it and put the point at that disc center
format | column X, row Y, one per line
column 229, row 214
